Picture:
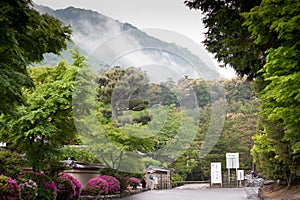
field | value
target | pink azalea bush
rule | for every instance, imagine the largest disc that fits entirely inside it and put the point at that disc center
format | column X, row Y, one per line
column 76, row 183
column 97, row 186
column 113, row 184
column 134, row 182
column 65, row 189
column 46, row 186
column 29, row 190
column 123, row 183
column 9, row 188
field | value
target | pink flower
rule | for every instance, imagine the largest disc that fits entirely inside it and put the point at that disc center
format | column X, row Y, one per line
column 98, row 186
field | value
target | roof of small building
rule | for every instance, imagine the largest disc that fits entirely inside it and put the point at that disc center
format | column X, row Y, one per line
column 162, row 169
column 83, row 165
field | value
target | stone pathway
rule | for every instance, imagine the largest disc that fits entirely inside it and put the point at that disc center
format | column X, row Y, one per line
column 192, row 187
column 252, row 192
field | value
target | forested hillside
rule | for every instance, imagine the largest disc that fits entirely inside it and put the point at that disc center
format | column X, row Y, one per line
column 155, row 112
column 92, row 29
column 129, row 122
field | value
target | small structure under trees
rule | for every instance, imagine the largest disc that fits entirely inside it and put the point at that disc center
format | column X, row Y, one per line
column 163, row 176
column 83, row 171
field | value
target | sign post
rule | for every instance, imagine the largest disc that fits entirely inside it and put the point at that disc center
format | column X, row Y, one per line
column 215, row 173
column 240, row 176
column 232, row 162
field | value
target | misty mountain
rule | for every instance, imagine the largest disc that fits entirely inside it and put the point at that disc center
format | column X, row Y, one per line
column 108, row 42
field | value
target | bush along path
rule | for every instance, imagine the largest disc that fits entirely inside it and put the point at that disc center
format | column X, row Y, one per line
column 86, row 196
column 36, row 185
column 109, row 187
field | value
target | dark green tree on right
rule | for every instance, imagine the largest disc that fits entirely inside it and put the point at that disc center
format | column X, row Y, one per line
column 260, row 40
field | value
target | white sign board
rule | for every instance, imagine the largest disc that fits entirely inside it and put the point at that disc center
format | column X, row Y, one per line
column 2, row 144
column 216, row 172
column 240, row 175
column 232, row 160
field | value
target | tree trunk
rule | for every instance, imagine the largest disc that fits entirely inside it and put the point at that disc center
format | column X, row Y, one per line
column 288, row 179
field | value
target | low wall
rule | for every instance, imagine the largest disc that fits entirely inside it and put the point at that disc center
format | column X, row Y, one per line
column 83, row 175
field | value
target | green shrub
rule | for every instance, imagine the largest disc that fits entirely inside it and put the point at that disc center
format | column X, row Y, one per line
column 65, row 189
column 176, row 180
column 28, row 187
column 10, row 163
column 78, row 153
column 47, row 189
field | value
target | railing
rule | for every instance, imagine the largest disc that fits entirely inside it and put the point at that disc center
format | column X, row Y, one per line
column 191, row 182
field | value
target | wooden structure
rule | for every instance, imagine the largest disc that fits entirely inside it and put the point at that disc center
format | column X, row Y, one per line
column 162, row 175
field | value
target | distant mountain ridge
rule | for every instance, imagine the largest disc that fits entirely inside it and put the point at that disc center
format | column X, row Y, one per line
column 92, row 29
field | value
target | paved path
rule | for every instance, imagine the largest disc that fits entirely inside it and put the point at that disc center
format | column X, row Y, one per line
column 198, row 192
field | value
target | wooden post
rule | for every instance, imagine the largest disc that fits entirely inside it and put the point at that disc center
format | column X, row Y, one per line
column 236, row 175
column 228, row 176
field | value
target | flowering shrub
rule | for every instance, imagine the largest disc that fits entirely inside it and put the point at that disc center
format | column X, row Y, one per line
column 9, row 188
column 65, row 189
column 46, row 187
column 134, row 182
column 123, row 183
column 76, row 183
column 113, row 183
column 28, row 189
column 97, row 186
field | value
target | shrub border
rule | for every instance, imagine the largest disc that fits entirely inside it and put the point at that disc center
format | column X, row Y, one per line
column 111, row 196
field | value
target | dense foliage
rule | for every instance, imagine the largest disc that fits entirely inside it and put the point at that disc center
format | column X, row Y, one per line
column 113, row 183
column 239, row 127
column 9, row 188
column 28, row 187
column 25, row 36
column 45, row 123
column 133, row 121
column 277, row 22
column 10, row 163
column 46, row 187
column 260, row 39
column 226, row 36
column 75, row 182
column 65, row 189
column 35, row 185
column 134, row 182
column 97, row 186
column 236, row 137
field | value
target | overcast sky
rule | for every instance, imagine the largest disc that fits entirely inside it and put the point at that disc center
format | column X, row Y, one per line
column 165, row 14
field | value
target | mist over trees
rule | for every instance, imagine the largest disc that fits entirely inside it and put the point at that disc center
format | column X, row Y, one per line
column 139, row 119
column 240, row 123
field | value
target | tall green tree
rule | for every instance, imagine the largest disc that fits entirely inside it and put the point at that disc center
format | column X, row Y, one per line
column 267, row 34
column 45, row 121
column 120, row 88
column 114, row 128
column 25, row 35
column 278, row 21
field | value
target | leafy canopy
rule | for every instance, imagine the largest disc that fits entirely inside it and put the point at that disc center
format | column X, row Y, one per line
column 45, row 121
column 25, row 36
